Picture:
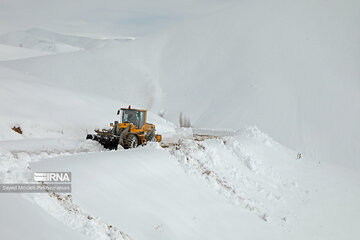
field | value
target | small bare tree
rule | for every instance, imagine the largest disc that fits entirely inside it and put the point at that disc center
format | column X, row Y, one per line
column 181, row 120
column 184, row 121
column 189, row 123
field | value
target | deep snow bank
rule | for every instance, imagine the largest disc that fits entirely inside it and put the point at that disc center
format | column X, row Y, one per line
column 147, row 194
column 21, row 219
column 276, row 184
column 14, row 168
column 250, row 168
column 214, row 187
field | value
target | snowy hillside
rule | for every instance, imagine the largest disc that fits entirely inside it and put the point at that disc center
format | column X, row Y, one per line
column 11, row 53
column 292, row 69
column 272, row 90
column 294, row 75
column 39, row 39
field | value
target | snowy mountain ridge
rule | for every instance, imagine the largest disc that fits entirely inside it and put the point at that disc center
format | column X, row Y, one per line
column 47, row 41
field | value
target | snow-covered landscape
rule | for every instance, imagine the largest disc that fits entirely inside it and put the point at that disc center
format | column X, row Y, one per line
column 271, row 90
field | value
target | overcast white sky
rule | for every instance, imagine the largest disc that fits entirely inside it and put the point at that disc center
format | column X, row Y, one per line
column 125, row 17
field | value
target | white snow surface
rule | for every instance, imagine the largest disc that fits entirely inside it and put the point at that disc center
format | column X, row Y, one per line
column 291, row 69
column 21, row 219
column 10, row 53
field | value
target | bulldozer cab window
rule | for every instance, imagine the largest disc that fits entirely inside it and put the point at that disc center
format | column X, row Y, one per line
column 142, row 119
column 133, row 116
column 130, row 116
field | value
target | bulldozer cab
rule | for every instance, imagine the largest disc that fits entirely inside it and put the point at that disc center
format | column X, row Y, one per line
column 134, row 116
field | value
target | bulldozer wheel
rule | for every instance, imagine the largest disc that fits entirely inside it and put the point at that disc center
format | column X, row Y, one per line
column 151, row 138
column 131, row 141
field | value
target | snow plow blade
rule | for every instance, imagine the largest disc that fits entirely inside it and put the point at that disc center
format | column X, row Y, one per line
column 109, row 142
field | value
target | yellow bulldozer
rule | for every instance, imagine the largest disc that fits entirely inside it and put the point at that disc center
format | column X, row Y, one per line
column 132, row 131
